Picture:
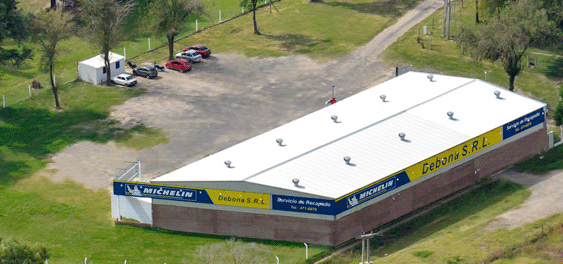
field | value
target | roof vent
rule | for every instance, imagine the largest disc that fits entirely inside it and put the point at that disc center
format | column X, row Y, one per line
column 228, row 163
column 402, row 136
column 333, row 92
column 383, row 97
column 334, row 118
column 451, row 115
column 430, row 77
column 497, row 93
column 347, row 160
column 279, row 141
column 295, row 182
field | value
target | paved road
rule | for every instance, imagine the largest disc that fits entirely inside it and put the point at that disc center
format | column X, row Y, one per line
column 225, row 100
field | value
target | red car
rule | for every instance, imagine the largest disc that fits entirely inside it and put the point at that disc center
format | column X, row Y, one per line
column 180, row 65
column 203, row 50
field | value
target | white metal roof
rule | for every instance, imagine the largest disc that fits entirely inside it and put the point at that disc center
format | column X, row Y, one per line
column 98, row 62
column 367, row 131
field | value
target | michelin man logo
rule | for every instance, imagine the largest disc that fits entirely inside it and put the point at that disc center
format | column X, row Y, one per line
column 353, row 201
column 135, row 191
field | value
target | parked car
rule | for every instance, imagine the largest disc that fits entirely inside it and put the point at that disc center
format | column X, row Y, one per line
column 203, row 50
column 190, row 55
column 181, row 65
column 147, row 71
column 124, row 79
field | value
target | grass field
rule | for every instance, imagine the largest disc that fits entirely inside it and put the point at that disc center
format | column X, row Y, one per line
column 324, row 30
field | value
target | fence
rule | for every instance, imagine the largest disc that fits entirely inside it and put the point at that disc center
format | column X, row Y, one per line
column 25, row 91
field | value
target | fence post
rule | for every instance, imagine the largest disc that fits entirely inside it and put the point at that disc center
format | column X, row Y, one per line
column 196, row 26
column 3, row 101
column 124, row 53
column 243, row 9
column 149, row 43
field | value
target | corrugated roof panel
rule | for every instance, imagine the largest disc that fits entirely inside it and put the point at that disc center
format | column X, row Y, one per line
column 476, row 108
column 376, row 152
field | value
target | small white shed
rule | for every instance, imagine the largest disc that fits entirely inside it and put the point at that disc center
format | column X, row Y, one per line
column 93, row 70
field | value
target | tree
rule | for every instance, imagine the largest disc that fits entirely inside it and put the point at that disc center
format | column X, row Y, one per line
column 169, row 18
column 49, row 28
column 506, row 37
column 14, row 252
column 252, row 4
column 13, row 25
column 104, row 19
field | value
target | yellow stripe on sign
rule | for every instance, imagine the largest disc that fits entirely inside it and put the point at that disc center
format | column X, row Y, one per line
column 242, row 199
column 454, row 154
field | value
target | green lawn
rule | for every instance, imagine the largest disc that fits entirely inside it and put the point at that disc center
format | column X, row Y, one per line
column 324, row 30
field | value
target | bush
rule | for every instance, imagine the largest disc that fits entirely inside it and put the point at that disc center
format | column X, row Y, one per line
column 14, row 252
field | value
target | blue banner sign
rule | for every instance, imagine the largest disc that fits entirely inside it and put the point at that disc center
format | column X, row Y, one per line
column 331, row 207
column 303, row 205
column 372, row 191
column 520, row 124
column 150, row 190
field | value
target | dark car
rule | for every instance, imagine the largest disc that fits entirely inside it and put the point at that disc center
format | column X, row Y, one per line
column 203, row 50
column 179, row 65
column 145, row 71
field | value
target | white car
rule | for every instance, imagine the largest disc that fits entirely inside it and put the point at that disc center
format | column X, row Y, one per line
column 190, row 55
column 124, row 79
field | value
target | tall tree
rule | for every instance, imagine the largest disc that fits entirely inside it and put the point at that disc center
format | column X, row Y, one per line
column 252, row 4
column 14, row 26
column 506, row 37
column 104, row 19
column 169, row 17
column 49, row 28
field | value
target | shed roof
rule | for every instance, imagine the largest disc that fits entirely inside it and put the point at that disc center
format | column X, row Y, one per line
column 367, row 131
column 98, row 62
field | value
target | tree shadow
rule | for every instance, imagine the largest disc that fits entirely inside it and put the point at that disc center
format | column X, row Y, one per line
column 30, row 135
column 554, row 67
column 381, row 8
column 296, row 42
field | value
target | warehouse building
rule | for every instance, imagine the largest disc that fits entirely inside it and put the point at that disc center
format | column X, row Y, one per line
column 348, row 168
